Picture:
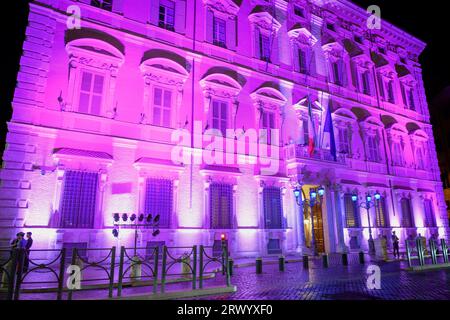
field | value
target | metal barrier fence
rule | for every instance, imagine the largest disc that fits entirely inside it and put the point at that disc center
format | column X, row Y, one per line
column 51, row 271
column 415, row 250
column 139, row 267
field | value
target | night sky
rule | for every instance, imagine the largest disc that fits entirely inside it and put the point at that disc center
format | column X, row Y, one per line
column 427, row 22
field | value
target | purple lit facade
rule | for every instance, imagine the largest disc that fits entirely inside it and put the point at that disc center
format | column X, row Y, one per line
column 95, row 109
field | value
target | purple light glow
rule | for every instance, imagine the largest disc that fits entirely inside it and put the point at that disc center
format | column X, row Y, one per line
column 121, row 105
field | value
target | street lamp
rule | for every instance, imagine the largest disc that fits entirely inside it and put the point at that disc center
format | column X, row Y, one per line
column 315, row 197
column 135, row 221
column 367, row 204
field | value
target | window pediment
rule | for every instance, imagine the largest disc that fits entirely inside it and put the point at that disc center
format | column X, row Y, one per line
column 261, row 17
column 227, row 8
column 163, row 70
column 302, row 35
column 363, row 61
column 220, row 85
column 268, row 97
column 94, row 53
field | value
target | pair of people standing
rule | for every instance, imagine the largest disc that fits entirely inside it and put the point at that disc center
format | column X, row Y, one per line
column 23, row 243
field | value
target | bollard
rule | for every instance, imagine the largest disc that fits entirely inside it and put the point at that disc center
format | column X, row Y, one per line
column 420, row 251
column 361, row 257
column 281, row 262
column 408, row 253
column 230, row 265
column 136, row 269
column 305, row 262
column 433, row 250
column 258, row 265
column 345, row 259
column 444, row 250
column 325, row 260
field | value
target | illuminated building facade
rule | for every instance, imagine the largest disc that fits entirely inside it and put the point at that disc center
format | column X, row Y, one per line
column 96, row 110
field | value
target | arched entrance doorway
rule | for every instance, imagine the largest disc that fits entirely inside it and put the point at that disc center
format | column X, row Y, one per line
column 318, row 221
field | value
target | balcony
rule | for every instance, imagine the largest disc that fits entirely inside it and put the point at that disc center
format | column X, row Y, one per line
column 323, row 155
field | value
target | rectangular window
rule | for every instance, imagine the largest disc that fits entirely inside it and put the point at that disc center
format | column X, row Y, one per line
column 305, row 132
column 337, row 73
column 299, row 11
column 264, row 47
column 268, row 124
column 381, row 214
column 79, row 199
column 391, row 96
column 381, row 86
column 221, row 205
column 403, row 89
column 166, row 18
column 351, row 212
column 373, row 149
column 430, row 221
column 412, row 104
column 104, row 4
column 302, row 63
column 220, row 116
column 397, row 154
column 159, row 200
column 162, row 107
column 91, row 93
column 407, row 218
column 366, row 82
column 273, row 211
column 344, row 145
column 219, row 32
column 420, row 158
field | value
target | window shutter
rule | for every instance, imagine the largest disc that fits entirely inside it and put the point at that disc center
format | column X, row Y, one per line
column 354, row 70
column 180, row 16
column 343, row 71
column 154, row 12
column 405, row 103
column 381, row 86
column 274, row 56
column 296, row 58
column 209, row 26
column 372, row 83
column 311, row 67
column 257, row 44
column 231, row 33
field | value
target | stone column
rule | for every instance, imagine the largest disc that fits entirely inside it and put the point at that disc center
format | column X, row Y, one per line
column 339, row 210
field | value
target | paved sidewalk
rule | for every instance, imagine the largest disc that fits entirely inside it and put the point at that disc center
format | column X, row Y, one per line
column 337, row 283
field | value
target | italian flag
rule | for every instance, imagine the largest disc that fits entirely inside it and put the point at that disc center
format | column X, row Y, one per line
column 311, row 131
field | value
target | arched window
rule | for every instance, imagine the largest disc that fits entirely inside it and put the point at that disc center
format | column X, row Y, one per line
column 351, row 212
column 382, row 219
column 430, row 220
column 407, row 216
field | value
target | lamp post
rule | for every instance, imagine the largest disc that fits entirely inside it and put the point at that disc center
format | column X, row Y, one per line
column 315, row 197
column 367, row 204
column 135, row 222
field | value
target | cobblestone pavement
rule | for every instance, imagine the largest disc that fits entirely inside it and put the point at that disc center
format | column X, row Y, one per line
column 337, row 283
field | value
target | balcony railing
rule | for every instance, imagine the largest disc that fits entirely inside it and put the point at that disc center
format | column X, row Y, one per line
column 301, row 152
